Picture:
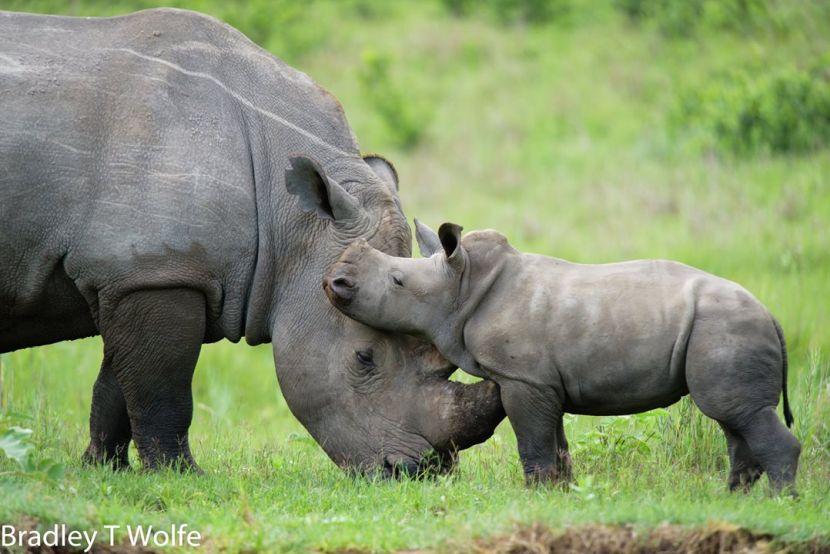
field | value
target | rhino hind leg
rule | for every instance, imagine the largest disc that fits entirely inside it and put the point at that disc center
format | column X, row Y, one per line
column 745, row 469
column 769, row 442
column 774, row 446
column 109, row 424
column 152, row 340
column 739, row 387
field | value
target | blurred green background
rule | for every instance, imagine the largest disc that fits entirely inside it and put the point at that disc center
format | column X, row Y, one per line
column 695, row 130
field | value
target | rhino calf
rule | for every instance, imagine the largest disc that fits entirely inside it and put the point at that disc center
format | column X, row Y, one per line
column 604, row 339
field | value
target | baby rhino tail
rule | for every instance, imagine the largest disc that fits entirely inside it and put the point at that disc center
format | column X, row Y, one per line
column 788, row 415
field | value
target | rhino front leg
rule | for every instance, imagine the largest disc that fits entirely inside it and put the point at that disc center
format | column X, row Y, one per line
column 535, row 412
column 109, row 423
column 563, row 457
column 152, row 341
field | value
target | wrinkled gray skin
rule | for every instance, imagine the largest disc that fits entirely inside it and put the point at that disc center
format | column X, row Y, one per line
column 588, row 339
column 164, row 182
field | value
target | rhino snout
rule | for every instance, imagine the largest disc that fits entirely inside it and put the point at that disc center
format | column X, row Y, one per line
column 339, row 287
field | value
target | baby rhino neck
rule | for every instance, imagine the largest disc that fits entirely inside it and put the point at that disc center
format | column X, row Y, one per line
column 477, row 282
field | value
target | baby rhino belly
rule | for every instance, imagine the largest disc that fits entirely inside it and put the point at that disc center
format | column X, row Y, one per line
column 616, row 381
column 626, row 358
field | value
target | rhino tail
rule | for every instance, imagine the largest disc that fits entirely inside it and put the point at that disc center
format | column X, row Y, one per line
column 788, row 415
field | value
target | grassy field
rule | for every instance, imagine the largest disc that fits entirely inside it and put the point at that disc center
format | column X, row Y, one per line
column 566, row 136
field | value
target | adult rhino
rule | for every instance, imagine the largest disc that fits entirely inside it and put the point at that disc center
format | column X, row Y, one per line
column 164, row 183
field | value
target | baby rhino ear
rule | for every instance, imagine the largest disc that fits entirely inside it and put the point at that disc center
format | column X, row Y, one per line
column 428, row 241
column 450, row 237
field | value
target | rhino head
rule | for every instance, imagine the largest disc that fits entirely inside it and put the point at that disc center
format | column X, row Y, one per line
column 377, row 402
column 400, row 294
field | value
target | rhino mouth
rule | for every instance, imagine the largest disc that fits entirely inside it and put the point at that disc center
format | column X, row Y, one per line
column 434, row 463
column 466, row 415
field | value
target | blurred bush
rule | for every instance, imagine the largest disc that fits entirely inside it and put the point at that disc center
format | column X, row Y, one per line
column 510, row 12
column 404, row 119
column 282, row 26
column 779, row 112
column 684, row 17
column 671, row 17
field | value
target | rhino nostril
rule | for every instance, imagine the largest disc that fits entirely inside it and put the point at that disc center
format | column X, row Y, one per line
column 342, row 282
column 341, row 289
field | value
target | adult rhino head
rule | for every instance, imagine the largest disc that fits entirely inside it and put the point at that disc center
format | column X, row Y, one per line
column 376, row 402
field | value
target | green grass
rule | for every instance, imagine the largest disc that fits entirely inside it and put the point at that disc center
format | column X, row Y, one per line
column 558, row 136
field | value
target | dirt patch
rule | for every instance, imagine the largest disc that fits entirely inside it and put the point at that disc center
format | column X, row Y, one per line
column 623, row 539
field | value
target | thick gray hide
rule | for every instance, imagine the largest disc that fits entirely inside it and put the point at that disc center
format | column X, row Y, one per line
column 136, row 140
column 142, row 196
column 588, row 339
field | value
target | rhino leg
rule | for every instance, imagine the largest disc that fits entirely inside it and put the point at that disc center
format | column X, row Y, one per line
column 535, row 412
column 109, row 423
column 152, row 340
column 739, row 387
column 563, row 457
column 774, row 446
column 744, row 469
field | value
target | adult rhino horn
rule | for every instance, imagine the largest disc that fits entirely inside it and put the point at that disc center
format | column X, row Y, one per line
column 468, row 414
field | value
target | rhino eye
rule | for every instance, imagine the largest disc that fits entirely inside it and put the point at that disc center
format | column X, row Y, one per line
column 365, row 357
column 397, row 280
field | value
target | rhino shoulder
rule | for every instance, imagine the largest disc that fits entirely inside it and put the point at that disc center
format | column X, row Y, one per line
column 262, row 81
column 488, row 252
column 182, row 24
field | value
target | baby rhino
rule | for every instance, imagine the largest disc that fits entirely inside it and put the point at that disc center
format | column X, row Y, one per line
column 603, row 339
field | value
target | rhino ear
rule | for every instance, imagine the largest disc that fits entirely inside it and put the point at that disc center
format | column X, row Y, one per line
column 384, row 169
column 450, row 236
column 428, row 241
column 305, row 179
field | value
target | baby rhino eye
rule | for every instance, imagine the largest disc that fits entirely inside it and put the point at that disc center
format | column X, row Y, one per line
column 396, row 278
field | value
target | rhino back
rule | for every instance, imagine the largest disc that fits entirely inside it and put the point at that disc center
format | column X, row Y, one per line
column 126, row 158
column 614, row 335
